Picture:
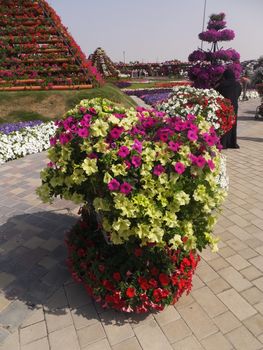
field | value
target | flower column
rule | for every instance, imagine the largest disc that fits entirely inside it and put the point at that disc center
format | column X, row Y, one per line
column 209, row 65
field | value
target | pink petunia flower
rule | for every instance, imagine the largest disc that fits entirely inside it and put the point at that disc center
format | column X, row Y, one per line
column 179, row 168
column 137, row 146
column 158, row 170
column 200, row 161
column 123, row 152
column 126, row 188
column 190, row 117
column 136, row 161
column 192, row 136
column 211, row 164
column 53, row 141
column 113, row 185
column 64, row 138
column 83, row 132
column 174, row 146
column 128, row 164
column 116, row 132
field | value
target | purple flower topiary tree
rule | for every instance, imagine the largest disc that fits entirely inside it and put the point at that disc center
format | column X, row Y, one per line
column 208, row 66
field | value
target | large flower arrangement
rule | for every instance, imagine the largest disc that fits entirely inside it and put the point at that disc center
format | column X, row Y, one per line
column 210, row 104
column 20, row 139
column 37, row 51
column 208, row 66
column 148, row 183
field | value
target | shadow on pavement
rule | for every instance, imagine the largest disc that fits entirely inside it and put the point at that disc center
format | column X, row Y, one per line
column 34, row 273
column 254, row 139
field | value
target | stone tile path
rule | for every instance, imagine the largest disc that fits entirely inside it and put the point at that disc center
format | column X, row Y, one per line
column 42, row 309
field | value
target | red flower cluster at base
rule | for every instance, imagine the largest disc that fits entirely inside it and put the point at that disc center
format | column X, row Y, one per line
column 127, row 277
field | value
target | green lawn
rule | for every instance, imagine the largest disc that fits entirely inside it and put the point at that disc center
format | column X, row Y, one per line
column 46, row 105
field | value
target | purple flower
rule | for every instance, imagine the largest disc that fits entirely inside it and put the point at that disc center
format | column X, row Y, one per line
column 123, row 152
column 126, row 188
column 136, row 161
column 113, row 185
column 7, row 128
column 197, row 55
column 158, row 170
column 179, row 168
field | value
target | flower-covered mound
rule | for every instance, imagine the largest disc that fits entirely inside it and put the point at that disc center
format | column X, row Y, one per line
column 127, row 278
column 24, row 138
column 209, row 104
column 150, row 177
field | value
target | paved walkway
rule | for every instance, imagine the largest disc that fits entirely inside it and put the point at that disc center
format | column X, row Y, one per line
column 42, row 309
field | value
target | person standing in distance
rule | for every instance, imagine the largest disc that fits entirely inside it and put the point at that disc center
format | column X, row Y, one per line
column 231, row 89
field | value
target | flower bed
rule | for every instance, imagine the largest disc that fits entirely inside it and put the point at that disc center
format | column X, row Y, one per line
column 149, row 184
column 217, row 110
column 20, row 139
column 250, row 94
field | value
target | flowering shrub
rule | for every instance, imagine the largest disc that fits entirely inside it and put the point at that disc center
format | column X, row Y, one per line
column 26, row 140
column 210, row 104
column 209, row 65
column 128, row 278
column 150, row 185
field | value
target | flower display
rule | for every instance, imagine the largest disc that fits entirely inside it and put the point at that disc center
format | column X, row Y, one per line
column 150, row 185
column 127, row 278
column 7, row 128
column 209, row 65
column 38, row 52
column 103, row 63
column 209, row 103
column 133, row 168
column 24, row 138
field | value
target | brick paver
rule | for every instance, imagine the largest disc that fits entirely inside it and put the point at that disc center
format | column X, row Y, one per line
column 41, row 308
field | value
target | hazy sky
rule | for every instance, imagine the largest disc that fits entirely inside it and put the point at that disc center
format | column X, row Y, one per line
column 158, row 30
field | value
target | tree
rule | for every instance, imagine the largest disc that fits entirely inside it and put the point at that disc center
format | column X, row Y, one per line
column 208, row 66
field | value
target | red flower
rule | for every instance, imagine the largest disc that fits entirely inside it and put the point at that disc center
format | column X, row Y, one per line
column 138, row 252
column 117, row 276
column 107, row 285
column 164, row 279
column 81, row 252
column 130, row 292
column 143, row 283
column 101, row 268
column 154, row 271
column 153, row 283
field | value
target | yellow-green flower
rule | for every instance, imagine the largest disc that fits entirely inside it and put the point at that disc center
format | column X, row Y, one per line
column 90, row 166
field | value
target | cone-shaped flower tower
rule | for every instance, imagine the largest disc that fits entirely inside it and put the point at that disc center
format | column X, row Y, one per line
column 37, row 52
column 209, row 65
column 103, row 63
